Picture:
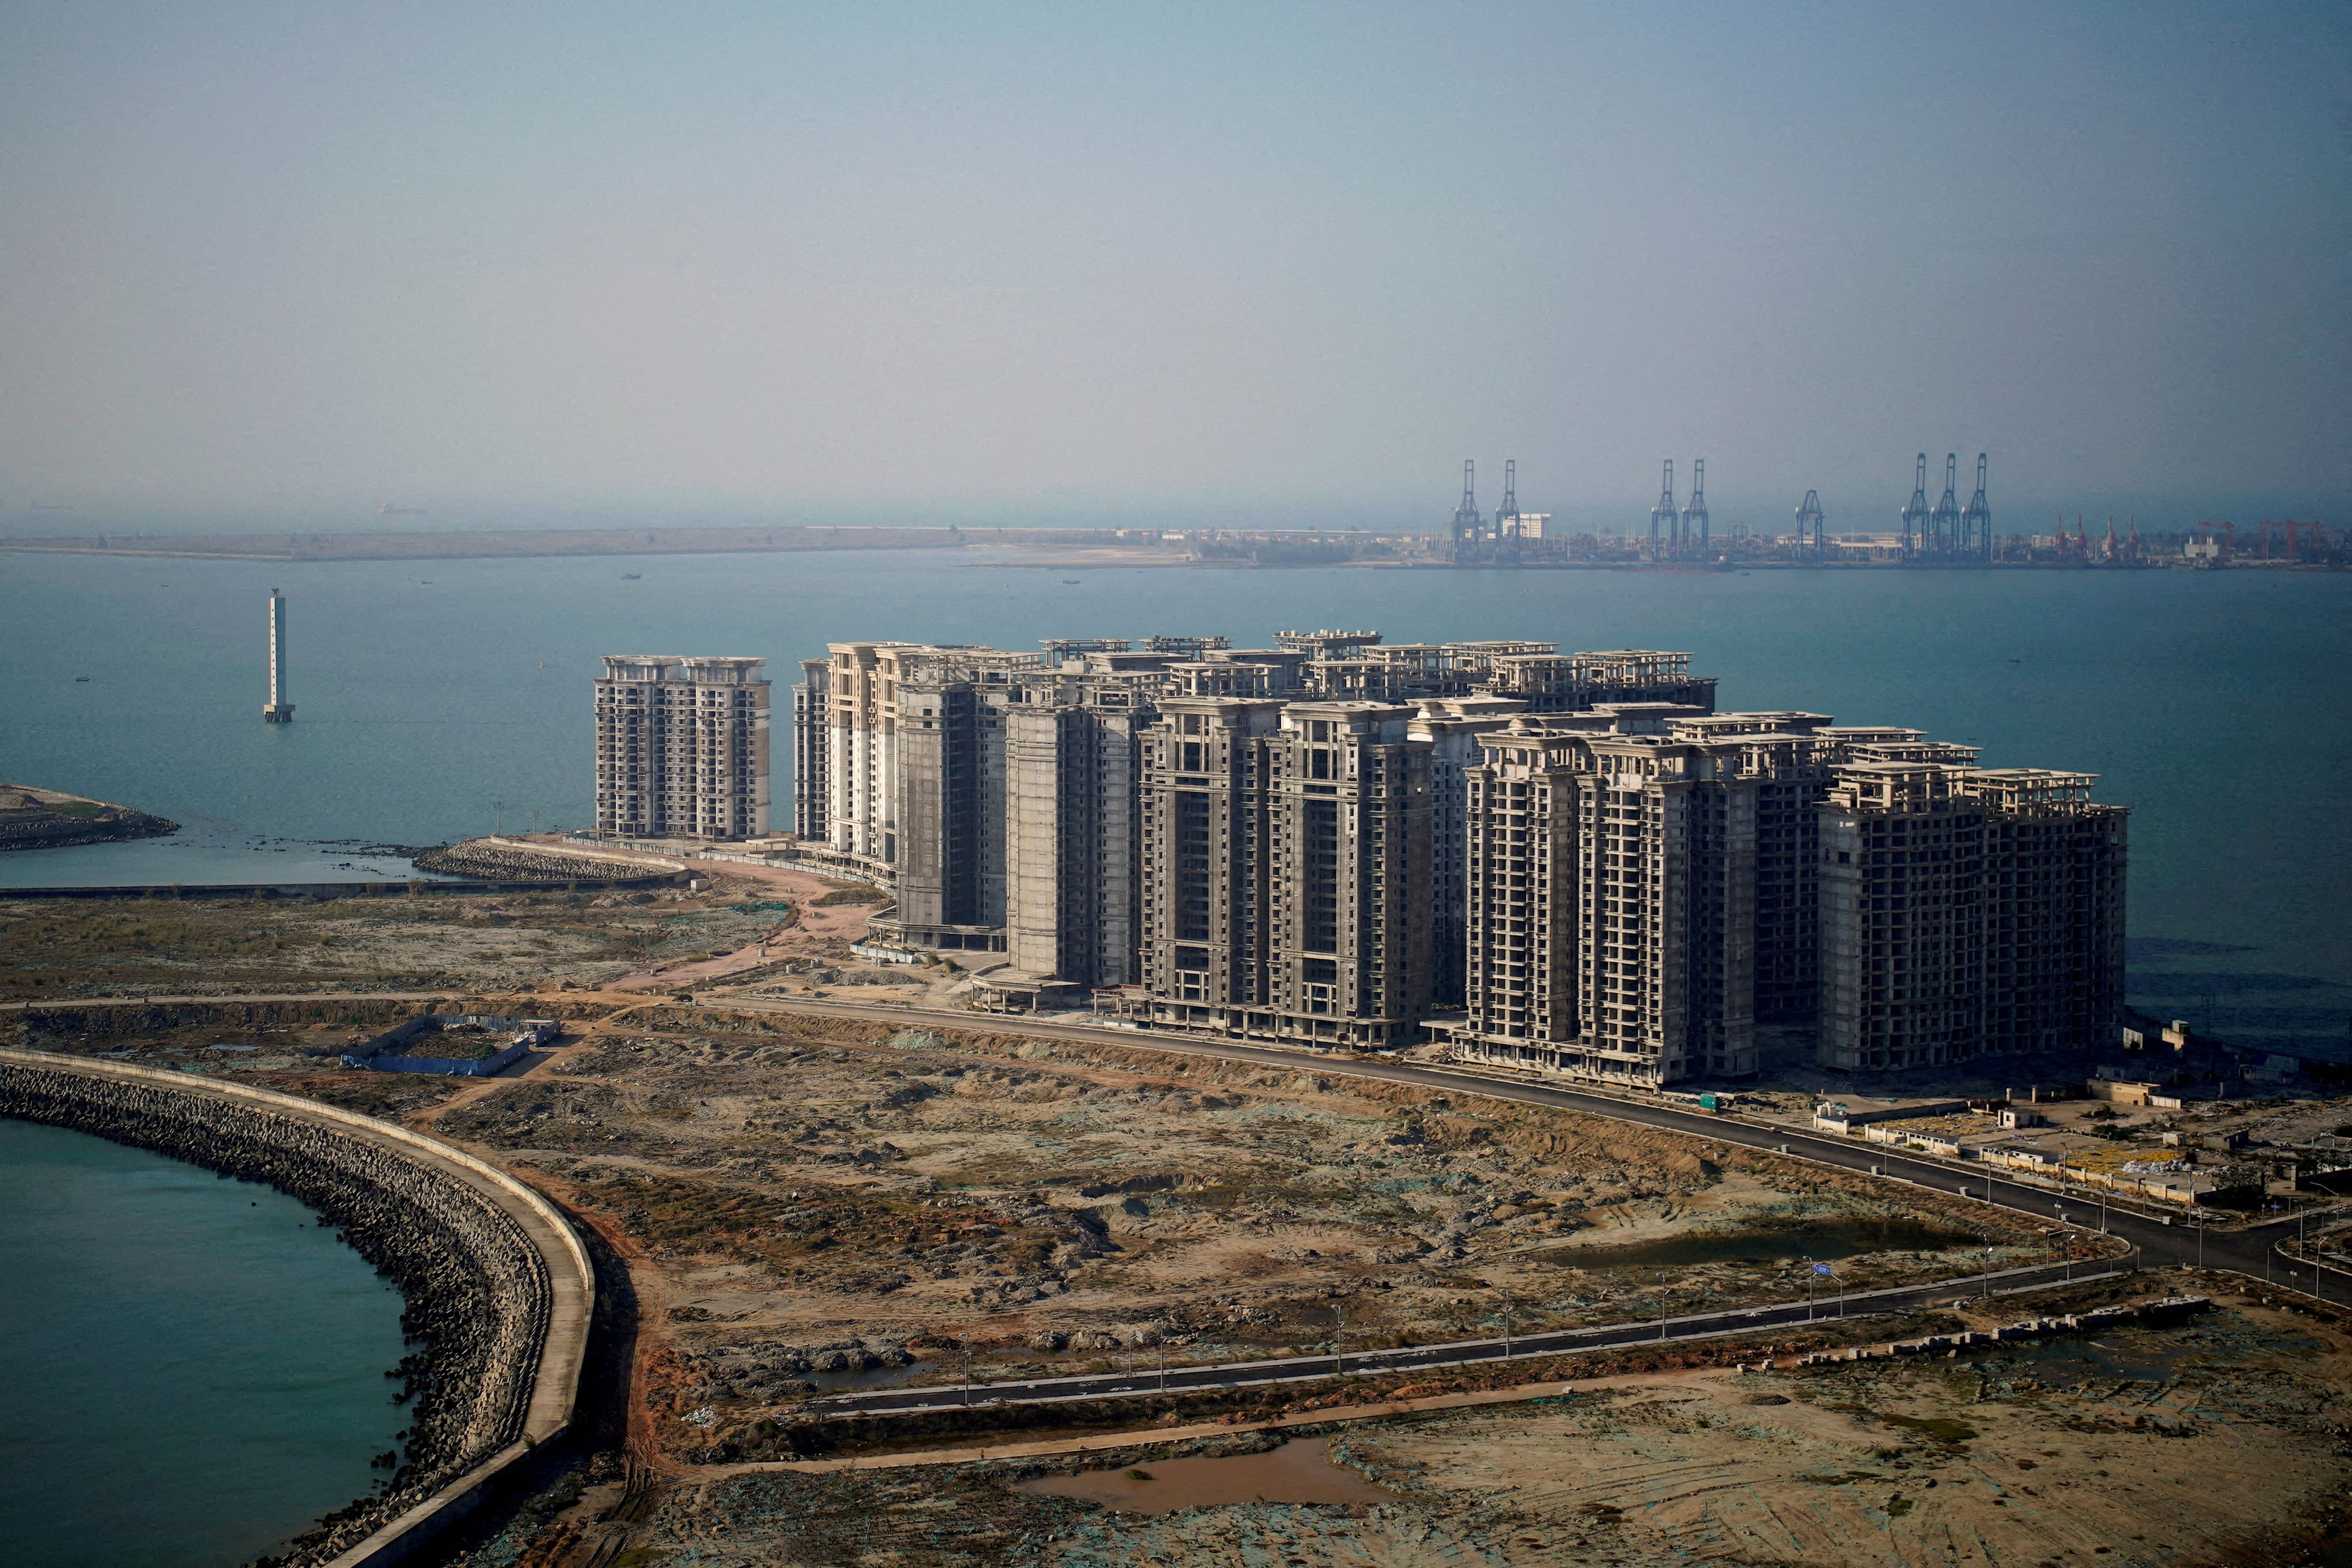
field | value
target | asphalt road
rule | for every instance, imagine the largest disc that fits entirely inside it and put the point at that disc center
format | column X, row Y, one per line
column 2184, row 1243
column 1297, row 1369
column 2248, row 1251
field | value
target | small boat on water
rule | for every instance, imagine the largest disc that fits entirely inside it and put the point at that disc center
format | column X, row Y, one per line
column 632, row 576
column 83, row 679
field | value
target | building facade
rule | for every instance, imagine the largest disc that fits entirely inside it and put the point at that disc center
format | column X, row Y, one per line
column 682, row 748
column 1647, row 887
column 1610, row 929
column 1285, row 869
column 1336, row 839
column 1967, row 912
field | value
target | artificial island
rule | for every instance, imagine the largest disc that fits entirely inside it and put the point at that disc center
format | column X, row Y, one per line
column 1607, row 1125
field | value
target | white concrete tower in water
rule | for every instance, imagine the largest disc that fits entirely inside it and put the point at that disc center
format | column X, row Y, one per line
column 280, row 710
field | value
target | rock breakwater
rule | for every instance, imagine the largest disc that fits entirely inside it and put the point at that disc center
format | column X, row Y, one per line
column 490, row 860
column 478, row 1291
column 34, row 818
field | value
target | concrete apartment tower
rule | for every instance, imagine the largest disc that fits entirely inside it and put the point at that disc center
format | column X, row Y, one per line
column 1003, row 795
column 1967, row 912
column 1611, row 909
column 994, row 791
column 682, row 748
column 1285, row 869
column 1324, row 842
column 1646, row 886
column 277, row 711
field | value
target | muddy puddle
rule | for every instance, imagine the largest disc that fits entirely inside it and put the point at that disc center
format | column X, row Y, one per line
column 1299, row 1471
column 1825, row 1242
column 870, row 1377
column 2123, row 1355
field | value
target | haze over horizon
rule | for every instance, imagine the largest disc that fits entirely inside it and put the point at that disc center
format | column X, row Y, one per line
column 1279, row 264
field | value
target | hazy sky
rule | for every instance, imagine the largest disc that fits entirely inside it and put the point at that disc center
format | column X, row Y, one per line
column 261, row 259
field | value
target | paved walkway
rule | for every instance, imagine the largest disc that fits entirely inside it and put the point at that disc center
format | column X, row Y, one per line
column 1518, row 1394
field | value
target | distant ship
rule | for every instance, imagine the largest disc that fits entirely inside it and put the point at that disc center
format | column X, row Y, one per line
column 388, row 509
column 632, row 576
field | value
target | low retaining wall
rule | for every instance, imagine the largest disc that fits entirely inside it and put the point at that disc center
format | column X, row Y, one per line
column 388, row 1053
column 496, row 1283
column 2166, row 1310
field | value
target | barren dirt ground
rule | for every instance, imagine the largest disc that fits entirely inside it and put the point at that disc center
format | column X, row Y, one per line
column 2220, row 1440
column 807, row 1205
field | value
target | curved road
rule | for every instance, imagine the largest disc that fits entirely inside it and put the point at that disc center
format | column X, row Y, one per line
column 1310, row 1368
column 2162, row 1244
column 2247, row 1251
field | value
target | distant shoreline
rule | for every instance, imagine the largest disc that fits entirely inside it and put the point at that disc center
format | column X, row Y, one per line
column 1037, row 549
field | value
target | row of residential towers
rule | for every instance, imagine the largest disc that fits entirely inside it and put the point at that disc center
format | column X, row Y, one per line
column 1566, row 862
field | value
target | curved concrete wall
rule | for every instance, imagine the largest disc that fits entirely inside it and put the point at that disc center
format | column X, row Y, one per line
column 492, row 1271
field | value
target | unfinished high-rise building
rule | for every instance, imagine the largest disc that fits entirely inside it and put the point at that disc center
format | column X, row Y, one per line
column 997, row 793
column 1285, row 853
column 1610, row 920
column 682, row 747
column 1331, row 839
column 1648, row 888
column 993, row 792
column 1967, row 912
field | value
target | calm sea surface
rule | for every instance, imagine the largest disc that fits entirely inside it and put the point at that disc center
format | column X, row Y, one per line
column 191, row 1368
column 2215, row 704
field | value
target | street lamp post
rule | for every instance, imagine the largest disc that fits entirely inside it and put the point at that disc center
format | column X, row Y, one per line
column 1338, row 1341
column 1808, row 1260
column 1662, row 1308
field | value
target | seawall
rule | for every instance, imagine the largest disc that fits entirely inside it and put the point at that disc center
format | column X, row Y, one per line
column 499, row 1289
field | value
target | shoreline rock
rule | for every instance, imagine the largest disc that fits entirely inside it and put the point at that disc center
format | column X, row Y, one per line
column 35, row 818
column 476, row 1294
column 504, row 863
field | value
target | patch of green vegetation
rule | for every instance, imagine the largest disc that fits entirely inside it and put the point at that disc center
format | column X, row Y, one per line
column 1897, row 1506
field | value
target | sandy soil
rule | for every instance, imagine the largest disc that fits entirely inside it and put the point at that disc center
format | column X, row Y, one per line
column 199, row 946
column 2217, row 1440
column 808, row 1207
column 801, row 1202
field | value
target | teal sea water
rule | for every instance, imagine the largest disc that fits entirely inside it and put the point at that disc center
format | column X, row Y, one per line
column 2215, row 704
column 190, row 1368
